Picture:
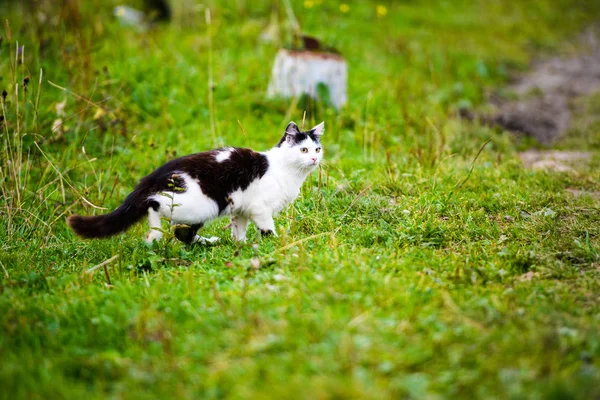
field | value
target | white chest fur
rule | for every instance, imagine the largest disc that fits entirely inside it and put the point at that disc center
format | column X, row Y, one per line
column 278, row 188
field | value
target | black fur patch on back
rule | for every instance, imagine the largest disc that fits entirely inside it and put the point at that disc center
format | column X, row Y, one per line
column 299, row 137
column 216, row 179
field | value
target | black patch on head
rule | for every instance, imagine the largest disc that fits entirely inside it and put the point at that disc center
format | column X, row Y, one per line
column 299, row 138
column 218, row 180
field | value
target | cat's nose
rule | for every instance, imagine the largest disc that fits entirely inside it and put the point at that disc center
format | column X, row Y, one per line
column 314, row 159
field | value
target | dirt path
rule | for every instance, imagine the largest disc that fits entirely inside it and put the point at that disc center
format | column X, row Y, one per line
column 545, row 94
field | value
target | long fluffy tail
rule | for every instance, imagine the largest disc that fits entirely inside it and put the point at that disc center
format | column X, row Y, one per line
column 131, row 211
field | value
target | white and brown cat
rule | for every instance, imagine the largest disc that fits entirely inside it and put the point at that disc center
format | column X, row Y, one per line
column 193, row 190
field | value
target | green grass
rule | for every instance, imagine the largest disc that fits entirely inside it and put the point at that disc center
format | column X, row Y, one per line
column 410, row 267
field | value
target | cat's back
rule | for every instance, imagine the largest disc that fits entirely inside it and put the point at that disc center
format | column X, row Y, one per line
column 239, row 164
column 231, row 167
column 218, row 172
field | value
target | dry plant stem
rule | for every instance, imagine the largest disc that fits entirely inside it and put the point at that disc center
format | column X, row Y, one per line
column 473, row 164
column 211, row 105
column 36, row 107
column 303, row 119
column 306, row 239
column 362, row 192
column 6, row 171
column 106, row 274
column 31, row 214
column 87, row 100
column 439, row 138
column 89, row 103
column 5, row 271
column 243, row 133
column 102, row 264
column 291, row 109
column 292, row 17
column 17, row 144
column 63, row 179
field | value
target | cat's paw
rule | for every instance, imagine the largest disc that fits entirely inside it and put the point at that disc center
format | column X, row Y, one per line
column 238, row 239
column 205, row 240
column 152, row 236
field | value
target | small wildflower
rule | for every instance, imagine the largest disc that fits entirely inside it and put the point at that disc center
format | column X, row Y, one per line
column 381, row 11
column 308, row 3
column 60, row 108
column 4, row 94
column 99, row 113
column 344, row 7
column 57, row 126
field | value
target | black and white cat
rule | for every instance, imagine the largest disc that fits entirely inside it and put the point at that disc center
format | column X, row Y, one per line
column 193, row 190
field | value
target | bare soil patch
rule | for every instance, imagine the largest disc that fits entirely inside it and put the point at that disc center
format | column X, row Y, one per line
column 554, row 160
column 543, row 97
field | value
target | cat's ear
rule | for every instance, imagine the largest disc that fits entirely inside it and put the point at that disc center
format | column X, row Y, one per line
column 318, row 130
column 292, row 129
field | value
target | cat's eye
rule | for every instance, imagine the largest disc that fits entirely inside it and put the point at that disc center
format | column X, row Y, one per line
column 318, row 149
column 304, row 150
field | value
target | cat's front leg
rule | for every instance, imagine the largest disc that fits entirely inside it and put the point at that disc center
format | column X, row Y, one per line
column 239, row 224
column 265, row 223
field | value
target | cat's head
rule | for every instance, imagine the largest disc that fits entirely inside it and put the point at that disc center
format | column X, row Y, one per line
column 302, row 149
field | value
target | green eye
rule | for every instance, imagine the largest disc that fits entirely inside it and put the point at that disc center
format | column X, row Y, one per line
column 304, row 150
column 318, row 149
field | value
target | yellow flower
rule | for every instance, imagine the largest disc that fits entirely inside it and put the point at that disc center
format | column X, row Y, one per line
column 344, row 7
column 381, row 11
column 308, row 3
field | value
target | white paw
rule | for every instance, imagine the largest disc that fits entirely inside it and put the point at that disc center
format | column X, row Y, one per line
column 236, row 236
column 153, row 235
column 205, row 240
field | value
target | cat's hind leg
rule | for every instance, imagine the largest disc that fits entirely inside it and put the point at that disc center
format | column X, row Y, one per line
column 239, row 224
column 186, row 233
column 155, row 232
column 264, row 222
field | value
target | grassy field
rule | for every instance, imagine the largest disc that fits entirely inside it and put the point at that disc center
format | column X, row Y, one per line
column 417, row 262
